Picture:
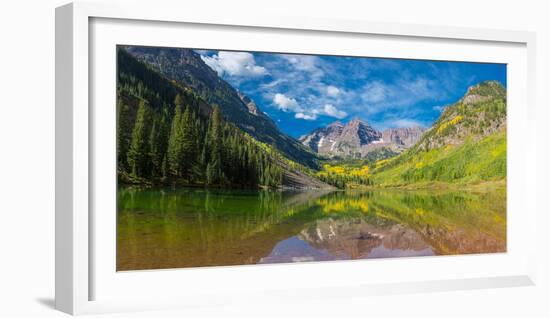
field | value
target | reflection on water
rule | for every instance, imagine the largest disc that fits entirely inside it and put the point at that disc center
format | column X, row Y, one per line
column 165, row 228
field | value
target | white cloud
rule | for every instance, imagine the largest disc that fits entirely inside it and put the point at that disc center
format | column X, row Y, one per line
column 289, row 104
column 305, row 63
column 285, row 103
column 234, row 64
column 332, row 91
column 332, row 111
column 305, row 116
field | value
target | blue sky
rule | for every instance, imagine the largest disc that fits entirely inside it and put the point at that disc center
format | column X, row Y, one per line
column 303, row 92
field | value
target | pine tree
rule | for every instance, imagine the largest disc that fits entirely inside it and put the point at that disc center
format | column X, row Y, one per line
column 138, row 151
column 155, row 151
column 175, row 150
column 214, row 166
column 189, row 145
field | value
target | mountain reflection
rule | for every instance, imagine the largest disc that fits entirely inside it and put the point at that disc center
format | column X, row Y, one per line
column 164, row 228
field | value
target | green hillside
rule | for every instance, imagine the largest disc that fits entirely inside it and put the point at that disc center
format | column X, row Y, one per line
column 466, row 144
column 471, row 161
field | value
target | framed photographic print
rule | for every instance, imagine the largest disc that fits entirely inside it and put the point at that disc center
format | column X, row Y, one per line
column 202, row 159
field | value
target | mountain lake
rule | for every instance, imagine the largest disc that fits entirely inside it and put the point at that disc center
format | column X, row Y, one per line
column 188, row 227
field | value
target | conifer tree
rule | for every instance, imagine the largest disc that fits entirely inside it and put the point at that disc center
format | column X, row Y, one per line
column 154, row 156
column 189, row 145
column 214, row 167
column 138, row 151
column 175, row 150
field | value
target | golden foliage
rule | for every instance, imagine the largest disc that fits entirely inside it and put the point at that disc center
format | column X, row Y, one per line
column 449, row 123
column 362, row 171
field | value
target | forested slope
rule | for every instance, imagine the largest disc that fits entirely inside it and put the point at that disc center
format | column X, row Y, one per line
column 167, row 134
column 185, row 67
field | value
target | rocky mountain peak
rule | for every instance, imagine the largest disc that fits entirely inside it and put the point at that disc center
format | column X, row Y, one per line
column 479, row 113
column 483, row 92
column 357, row 138
column 358, row 133
column 336, row 124
column 357, row 121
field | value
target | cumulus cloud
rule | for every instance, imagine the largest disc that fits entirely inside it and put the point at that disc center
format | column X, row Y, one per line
column 285, row 103
column 332, row 91
column 305, row 116
column 289, row 104
column 234, row 64
column 332, row 111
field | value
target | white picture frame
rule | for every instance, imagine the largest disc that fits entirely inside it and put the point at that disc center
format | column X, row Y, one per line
column 77, row 270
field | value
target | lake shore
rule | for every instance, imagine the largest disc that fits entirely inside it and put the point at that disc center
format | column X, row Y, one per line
column 462, row 186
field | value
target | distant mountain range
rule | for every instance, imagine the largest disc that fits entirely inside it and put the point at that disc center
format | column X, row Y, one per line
column 357, row 138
